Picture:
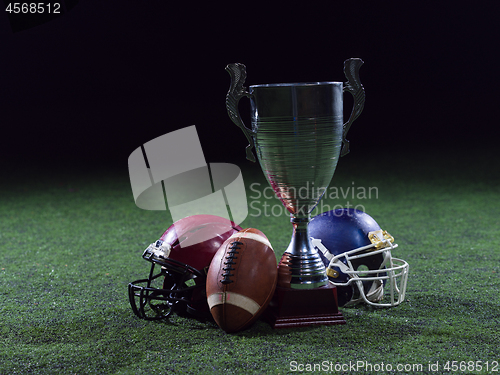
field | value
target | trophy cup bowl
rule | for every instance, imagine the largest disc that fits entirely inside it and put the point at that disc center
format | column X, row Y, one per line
column 297, row 131
column 298, row 134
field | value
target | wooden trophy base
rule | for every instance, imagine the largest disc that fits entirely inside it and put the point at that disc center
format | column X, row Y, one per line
column 304, row 307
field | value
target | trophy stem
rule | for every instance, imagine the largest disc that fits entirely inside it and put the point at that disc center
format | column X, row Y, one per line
column 303, row 296
column 301, row 266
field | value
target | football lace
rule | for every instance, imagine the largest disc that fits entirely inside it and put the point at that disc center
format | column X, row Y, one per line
column 230, row 262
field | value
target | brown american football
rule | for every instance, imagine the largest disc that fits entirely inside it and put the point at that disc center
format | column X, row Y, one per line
column 241, row 280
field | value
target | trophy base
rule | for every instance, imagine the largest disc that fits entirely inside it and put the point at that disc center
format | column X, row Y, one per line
column 303, row 307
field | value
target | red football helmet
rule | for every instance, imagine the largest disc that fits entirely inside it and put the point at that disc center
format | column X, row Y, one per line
column 184, row 253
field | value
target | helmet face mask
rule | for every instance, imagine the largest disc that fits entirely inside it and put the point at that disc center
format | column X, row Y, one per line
column 165, row 292
column 177, row 278
column 358, row 258
column 368, row 282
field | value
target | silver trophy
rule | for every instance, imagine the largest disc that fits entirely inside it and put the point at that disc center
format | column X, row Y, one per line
column 298, row 133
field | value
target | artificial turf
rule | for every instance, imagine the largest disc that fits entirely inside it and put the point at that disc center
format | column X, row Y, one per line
column 71, row 240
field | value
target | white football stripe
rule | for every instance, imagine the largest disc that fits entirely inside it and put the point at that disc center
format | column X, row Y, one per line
column 252, row 236
column 235, row 299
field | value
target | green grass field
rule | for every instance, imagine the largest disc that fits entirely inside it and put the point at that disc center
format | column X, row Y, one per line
column 71, row 241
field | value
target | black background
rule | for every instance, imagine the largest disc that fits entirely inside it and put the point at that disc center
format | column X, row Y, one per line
column 95, row 83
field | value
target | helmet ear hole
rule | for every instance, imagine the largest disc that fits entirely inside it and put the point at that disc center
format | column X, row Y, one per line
column 363, row 270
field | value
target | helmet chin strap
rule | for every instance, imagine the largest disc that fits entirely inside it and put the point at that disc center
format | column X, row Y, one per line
column 371, row 297
column 376, row 291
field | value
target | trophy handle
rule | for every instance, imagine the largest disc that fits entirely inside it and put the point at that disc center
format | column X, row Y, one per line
column 238, row 73
column 354, row 86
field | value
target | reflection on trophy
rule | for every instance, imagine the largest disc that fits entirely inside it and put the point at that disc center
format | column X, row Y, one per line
column 298, row 134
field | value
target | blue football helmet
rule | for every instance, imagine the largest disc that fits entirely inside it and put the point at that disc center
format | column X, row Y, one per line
column 358, row 260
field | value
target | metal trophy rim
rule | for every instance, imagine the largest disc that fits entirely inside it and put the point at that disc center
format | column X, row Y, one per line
column 297, row 84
